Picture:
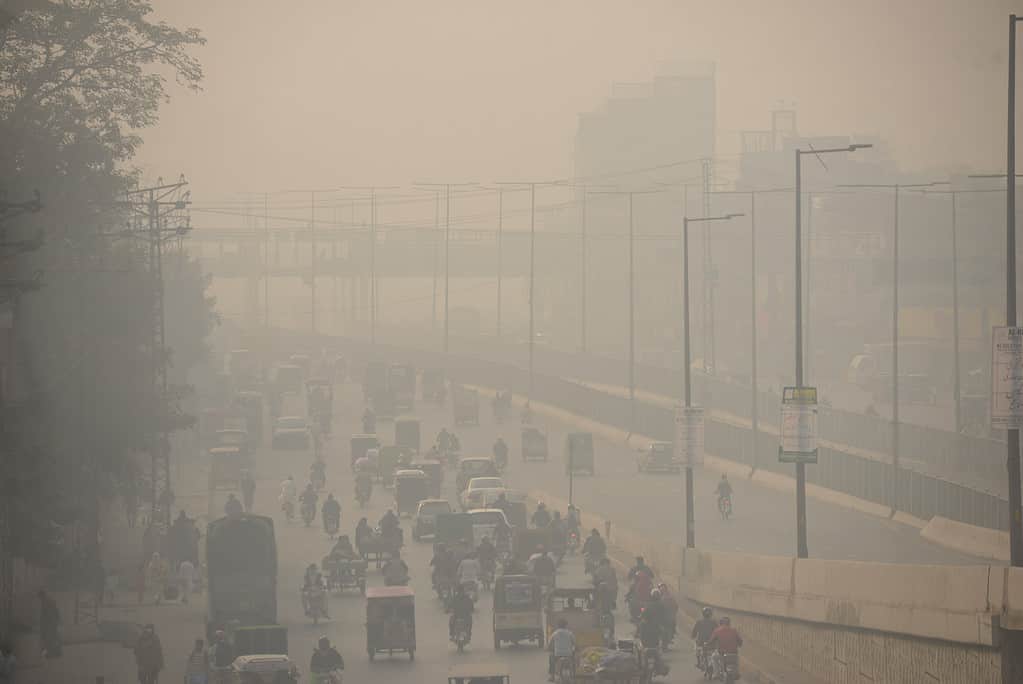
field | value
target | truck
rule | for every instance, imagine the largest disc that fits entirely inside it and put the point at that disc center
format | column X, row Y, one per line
column 241, row 565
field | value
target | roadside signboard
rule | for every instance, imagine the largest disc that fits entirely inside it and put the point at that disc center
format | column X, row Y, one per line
column 1007, row 378
column 689, row 435
column 798, row 425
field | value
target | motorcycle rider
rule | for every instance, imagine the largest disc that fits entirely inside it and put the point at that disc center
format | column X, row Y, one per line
column 364, row 484
column 444, row 566
column 343, row 549
column 572, row 521
column 318, row 471
column 395, row 571
column 669, row 614
column 312, row 582
column 487, row 555
column 325, row 660
column 289, row 493
column 543, row 566
column 331, row 513
column 444, row 440
column 500, row 453
column 468, row 572
column 390, row 526
column 541, row 517
column 369, row 421
column 651, row 627
column 642, row 586
column 702, row 631
column 725, row 640
column 461, row 609
column 724, row 489
column 362, row 532
column 247, row 485
column 558, row 536
column 309, row 500
column 233, row 506
column 562, row 645
column 606, row 576
column 595, row 546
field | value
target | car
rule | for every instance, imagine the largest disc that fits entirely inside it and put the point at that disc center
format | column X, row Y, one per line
column 426, row 517
column 473, row 494
column 291, row 433
column 659, row 457
column 478, row 498
column 484, row 521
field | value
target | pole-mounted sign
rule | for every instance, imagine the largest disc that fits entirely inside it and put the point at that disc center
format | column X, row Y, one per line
column 689, row 435
column 1007, row 378
column 798, row 425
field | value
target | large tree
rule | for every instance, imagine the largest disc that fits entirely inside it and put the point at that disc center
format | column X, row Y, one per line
column 79, row 81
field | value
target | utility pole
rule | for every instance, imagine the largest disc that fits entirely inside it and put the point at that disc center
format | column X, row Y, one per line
column 893, row 499
column 532, row 271
column 500, row 255
column 266, row 261
column 632, row 298
column 312, row 254
column 1012, row 459
column 447, row 248
column 802, row 550
column 583, row 254
column 687, row 390
column 155, row 205
column 709, row 274
column 433, row 239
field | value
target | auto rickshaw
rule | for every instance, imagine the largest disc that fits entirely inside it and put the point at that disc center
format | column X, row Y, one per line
column 264, row 669
column 319, row 394
column 226, row 466
column 406, row 432
column 390, row 621
column 249, row 404
column 390, row 459
column 479, row 673
column 466, row 405
column 435, row 471
column 410, row 487
column 360, row 444
column 425, row 524
column 433, row 385
column 577, row 607
column 534, row 444
column 518, row 610
column 579, row 453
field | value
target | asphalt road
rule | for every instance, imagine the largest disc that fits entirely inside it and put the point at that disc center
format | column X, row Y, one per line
column 298, row 546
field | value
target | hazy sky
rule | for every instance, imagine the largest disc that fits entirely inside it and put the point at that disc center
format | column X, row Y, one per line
column 317, row 93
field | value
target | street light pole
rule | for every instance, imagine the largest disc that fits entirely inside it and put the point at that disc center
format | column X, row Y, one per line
column 1012, row 458
column 687, row 390
column 801, row 547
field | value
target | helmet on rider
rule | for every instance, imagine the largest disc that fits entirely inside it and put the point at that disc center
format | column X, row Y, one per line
column 655, row 595
column 219, row 635
column 323, row 642
column 562, row 623
column 708, row 612
column 725, row 621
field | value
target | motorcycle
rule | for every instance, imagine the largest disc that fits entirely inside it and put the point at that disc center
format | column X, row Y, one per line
column 316, row 604
column 564, row 670
column 487, row 576
column 702, row 659
column 308, row 513
column 606, row 621
column 471, row 589
column 725, row 667
column 288, row 506
column 725, row 507
column 461, row 635
column 331, row 525
column 591, row 562
column 318, row 477
column 369, row 425
column 326, row 677
column 363, row 490
column 573, row 541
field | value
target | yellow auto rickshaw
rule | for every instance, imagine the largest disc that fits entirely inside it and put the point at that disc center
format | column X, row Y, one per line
column 518, row 610
column 479, row 673
column 390, row 621
column 577, row 607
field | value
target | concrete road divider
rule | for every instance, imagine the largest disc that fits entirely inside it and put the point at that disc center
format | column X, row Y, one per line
column 976, row 541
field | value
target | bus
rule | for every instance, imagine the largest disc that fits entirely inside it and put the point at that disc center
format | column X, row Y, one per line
column 241, row 564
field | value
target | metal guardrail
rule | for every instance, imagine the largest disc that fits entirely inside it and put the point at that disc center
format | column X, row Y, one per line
column 920, row 494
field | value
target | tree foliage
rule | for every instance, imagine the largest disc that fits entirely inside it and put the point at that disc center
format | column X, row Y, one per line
column 79, row 80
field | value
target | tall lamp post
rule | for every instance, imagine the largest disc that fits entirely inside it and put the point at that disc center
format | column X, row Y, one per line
column 1012, row 457
column 801, row 547
column 632, row 298
column 893, row 500
column 687, row 390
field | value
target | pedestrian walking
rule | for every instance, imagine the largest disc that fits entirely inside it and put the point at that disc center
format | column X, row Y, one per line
column 148, row 655
column 197, row 669
column 49, row 625
column 186, row 579
column 156, row 576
